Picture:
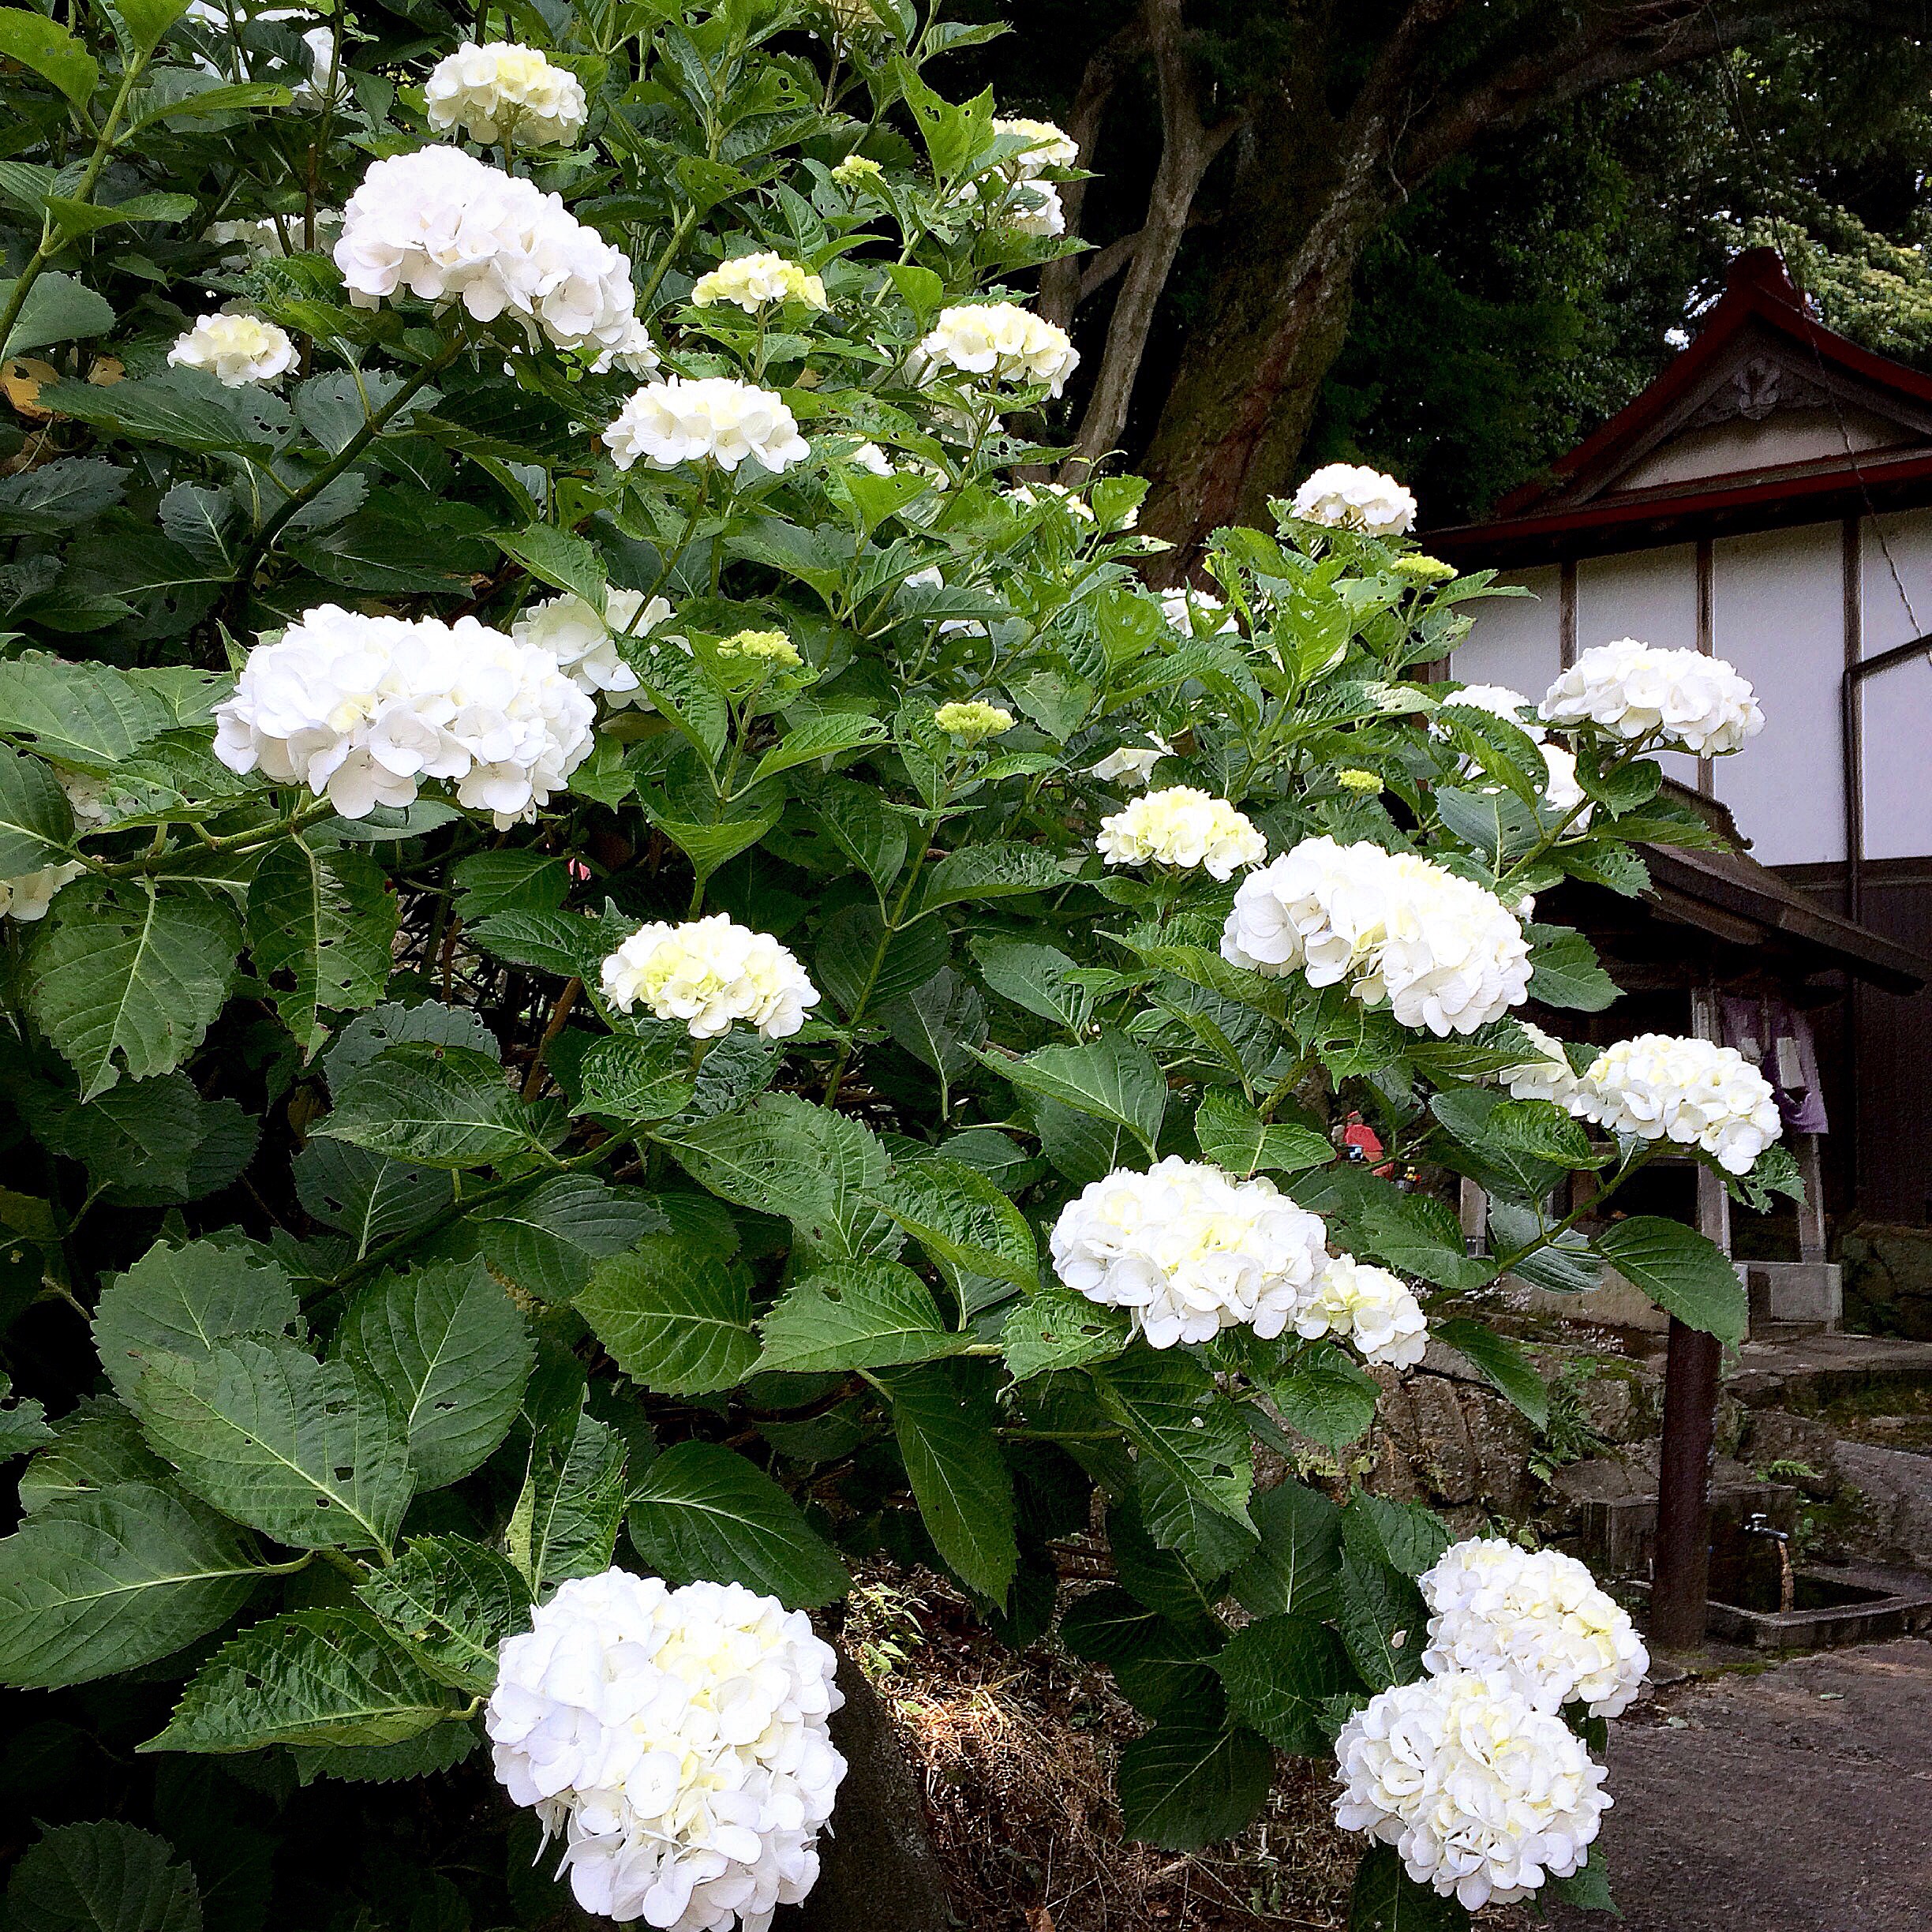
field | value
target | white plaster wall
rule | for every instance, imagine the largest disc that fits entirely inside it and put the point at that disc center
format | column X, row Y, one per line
column 1515, row 641
column 1897, row 600
column 1650, row 594
column 1741, row 446
column 1779, row 607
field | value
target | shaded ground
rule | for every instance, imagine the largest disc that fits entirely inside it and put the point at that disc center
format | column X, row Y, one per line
column 1799, row 1798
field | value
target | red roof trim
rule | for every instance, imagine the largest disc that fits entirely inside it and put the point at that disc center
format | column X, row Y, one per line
column 1757, row 293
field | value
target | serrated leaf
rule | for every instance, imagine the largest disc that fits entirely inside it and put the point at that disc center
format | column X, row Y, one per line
column 436, row 1105
column 1684, row 1272
column 452, row 1601
column 121, row 980
column 52, row 52
column 962, row 1219
column 1193, row 1780
column 824, row 735
column 559, row 558
column 450, row 1349
column 546, row 1241
column 1417, row 1234
column 1057, row 1329
column 35, row 820
column 107, row 1580
column 392, row 1023
column 1298, row 1567
column 566, row 1520
column 1183, row 1427
column 994, row 871
column 1234, row 1136
column 85, row 713
column 676, row 1319
column 1035, row 977
column 366, row 1195
column 102, row 1876
column 822, row 1171
column 309, row 1453
column 945, row 1423
column 701, row 1510
column 185, row 1302
column 331, row 1676
column 326, row 918
column 1407, row 1536
column 1277, row 1673
column 440, row 1749
column 1327, row 1397
column 1110, row 1078
column 96, row 1444
column 1565, row 972
column 855, row 1315
column 1159, row 1665
column 1382, row 1621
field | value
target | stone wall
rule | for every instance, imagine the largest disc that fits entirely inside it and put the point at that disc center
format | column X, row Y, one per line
column 1888, row 1280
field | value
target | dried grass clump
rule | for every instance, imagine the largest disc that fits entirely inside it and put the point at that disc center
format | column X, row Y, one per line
column 1015, row 1755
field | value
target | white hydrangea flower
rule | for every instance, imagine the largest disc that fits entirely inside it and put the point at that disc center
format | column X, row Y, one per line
column 1368, row 1306
column 1184, row 607
column 1500, row 702
column 1536, row 1617
column 1482, row 1794
column 236, row 350
column 677, row 1741
column 1349, row 496
column 27, row 897
column 1547, row 1077
column 1182, row 826
column 1444, row 953
column 505, row 92
column 1189, row 1251
column 325, row 64
column 1000, row 340
column 869, row 457
column 1039, row 211
column 1134, row 763
column 365, row 708
column 1693, row 1092
column 1049, row 146
column 708, row 973
column 584, row 645
column 753, row 282
column 633, row 351
column 448, row 227
column 1634, row 689
column 708, row 418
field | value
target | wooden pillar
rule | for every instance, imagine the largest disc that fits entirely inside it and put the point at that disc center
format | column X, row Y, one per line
column 1706, row 639
column 1681, row 1567
column 1473, row 1203
column 1811, row 1209
column 1566, row 613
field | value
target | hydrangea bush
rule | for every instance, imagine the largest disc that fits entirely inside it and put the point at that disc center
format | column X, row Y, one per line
column 639, row 969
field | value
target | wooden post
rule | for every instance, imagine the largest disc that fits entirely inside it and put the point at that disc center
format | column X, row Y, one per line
column 1473, row 1204
column 1681, row 1567
column 1811, row 1209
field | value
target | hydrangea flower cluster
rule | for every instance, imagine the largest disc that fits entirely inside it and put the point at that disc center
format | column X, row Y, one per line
column 677, row 1741
column 858, row 170
column 365, row 708
column 1183, row 607
column 972, row 724
column 1182, row 826
column 1482, row 1794
column 1190, row 1251
column 504, row 91
column 753, row 282
column 1134, row 763
column 1443, row 951
column 1000, row 340
column 584, row 645
column 1368, row 1306
column 1693, row 1092
column 705, row 419
column 1634, row 690
column 448, row 227
column 268, row 239
column 1537, row 1617
column 1049, row 145
column 236, row 350
column 1500, row 702
column 1348, row 496
column 709, row 973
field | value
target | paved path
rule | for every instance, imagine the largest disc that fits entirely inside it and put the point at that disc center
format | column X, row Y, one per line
column 1800, row 1800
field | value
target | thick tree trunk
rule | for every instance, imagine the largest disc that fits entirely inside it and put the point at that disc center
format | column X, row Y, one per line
column 1061, row 290
column 879, row 1872
column 1188, row 148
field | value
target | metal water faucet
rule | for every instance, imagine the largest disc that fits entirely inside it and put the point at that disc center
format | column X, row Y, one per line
column 1758, row 1524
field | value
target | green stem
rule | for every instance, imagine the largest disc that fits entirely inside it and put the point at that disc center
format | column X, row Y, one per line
column 52, row 241
column 371, row 428
column 1505, row 1262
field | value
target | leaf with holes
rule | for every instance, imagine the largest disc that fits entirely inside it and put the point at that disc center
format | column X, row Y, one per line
column 326, row 919
column 452, row 1601
column 676, row 1319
